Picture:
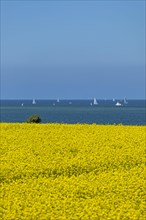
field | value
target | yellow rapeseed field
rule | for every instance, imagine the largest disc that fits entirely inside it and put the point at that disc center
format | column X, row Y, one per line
column 60, row 171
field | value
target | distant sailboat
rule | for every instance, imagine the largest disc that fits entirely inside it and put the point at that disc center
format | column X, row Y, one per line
column 91, row 104
column 125, row 101
column 33, row 102
column 114, row 100
column 22, row 104
column 118, row 104
column 95, row 101
column 58, row 100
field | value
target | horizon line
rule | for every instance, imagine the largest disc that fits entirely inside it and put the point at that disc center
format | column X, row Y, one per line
column 72, row 98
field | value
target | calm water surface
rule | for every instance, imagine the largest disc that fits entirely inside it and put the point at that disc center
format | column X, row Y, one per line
column 75, row 111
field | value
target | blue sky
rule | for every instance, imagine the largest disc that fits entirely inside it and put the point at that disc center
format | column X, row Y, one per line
column 72, row 49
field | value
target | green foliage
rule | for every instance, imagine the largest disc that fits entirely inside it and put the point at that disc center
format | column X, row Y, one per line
column 34, row 119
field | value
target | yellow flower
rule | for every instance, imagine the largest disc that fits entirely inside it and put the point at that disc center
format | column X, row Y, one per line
column 60, row 171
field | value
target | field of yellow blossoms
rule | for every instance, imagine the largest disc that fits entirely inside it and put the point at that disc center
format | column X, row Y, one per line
column 61, row 171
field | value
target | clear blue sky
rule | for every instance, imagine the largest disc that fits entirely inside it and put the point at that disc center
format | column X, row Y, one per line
column 72, row 49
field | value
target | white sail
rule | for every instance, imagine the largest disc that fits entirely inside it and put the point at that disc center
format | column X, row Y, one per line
column 33, row 102
column 95, row 101
column 114, row 100
column 58, row 100
column 118, row 104
column 125, row 101
column 22, row 104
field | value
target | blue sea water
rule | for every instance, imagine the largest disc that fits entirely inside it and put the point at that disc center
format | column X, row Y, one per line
column 75, row 111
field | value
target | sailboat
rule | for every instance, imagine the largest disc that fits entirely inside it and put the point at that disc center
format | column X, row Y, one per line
column 118, row 104
column 33, row 102
column 58, row 100
column 125, row 101
column 95, row 101
column 114, row 100
column 22, row 104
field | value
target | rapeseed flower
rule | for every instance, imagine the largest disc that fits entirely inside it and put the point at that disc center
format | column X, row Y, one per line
column 60, row 171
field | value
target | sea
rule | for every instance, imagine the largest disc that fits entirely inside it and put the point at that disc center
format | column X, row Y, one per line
column 75, row 111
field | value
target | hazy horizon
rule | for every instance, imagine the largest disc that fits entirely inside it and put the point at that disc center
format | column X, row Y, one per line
column 45, row 99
